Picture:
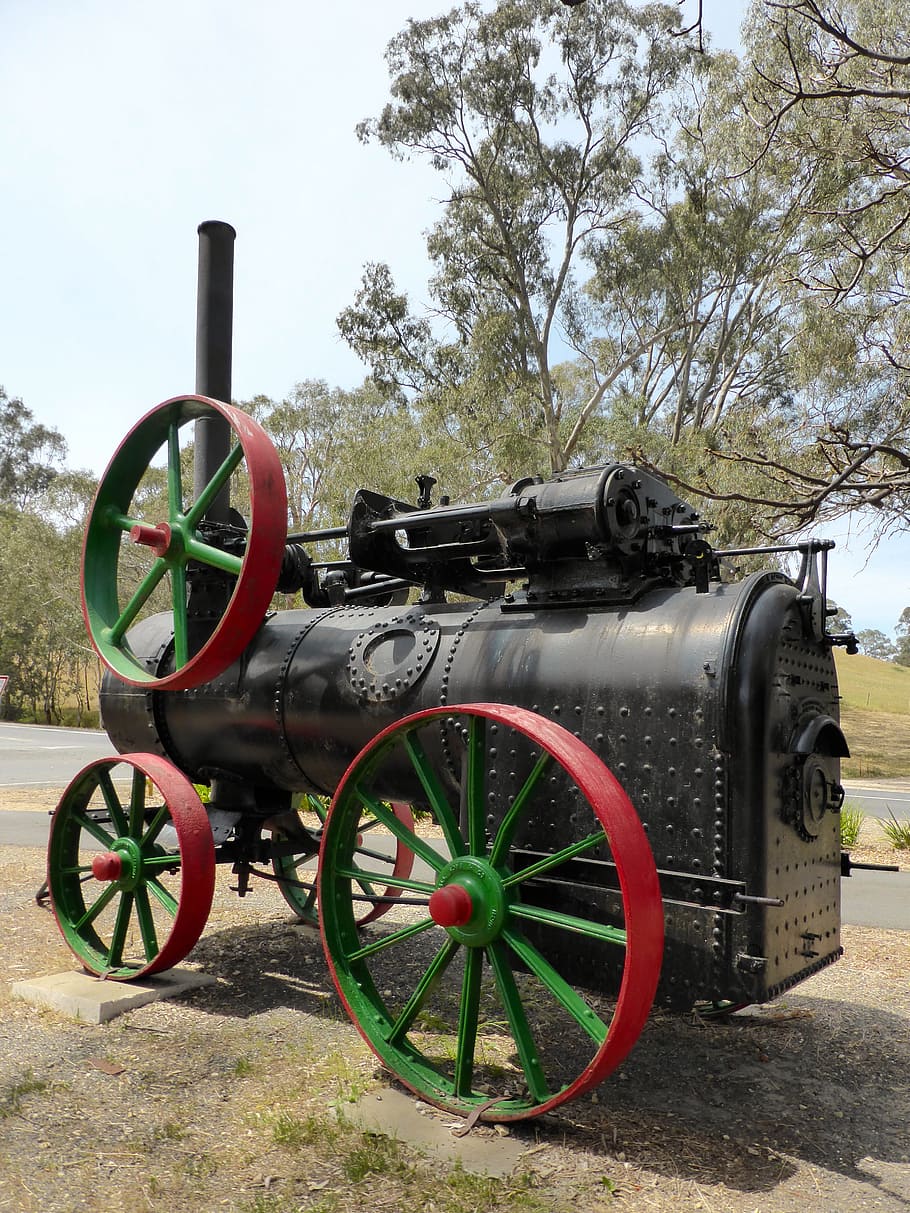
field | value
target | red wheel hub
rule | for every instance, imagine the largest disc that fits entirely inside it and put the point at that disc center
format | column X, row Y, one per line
column 158, row 538
column 107, row 866
column 451, row 906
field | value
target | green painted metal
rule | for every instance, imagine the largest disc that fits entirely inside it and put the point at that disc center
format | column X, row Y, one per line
column 472, row 999
column 177, row 541
column 296, row 873
column 150, row 912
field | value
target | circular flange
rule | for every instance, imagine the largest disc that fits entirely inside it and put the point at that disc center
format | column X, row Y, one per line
column 389, row 658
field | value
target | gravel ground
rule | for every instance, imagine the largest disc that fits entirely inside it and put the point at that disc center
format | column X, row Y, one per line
column 229, row 1099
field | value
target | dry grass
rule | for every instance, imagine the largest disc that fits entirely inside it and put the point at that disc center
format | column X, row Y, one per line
column 226, row 1099
column 875, row 716
column 872, row 685
column 879, row 744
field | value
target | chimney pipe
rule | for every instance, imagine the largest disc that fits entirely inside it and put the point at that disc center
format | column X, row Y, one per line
column 214, row 334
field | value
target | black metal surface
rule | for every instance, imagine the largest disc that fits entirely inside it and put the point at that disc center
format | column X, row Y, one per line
column 214, row 335
column 702, row 704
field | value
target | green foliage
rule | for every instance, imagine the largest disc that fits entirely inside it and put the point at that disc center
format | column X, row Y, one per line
column 875, row 643
column 620, row 267
column 897, row 831
column 42, row 640
column 29, row 454
column 331, row 442
column 293, row 1132
column 902, row 631
column 851, row 822
column 13, row 1094
column 534, row 116
column 374, row 1154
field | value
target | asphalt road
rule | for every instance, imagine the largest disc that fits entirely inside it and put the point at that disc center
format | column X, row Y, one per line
column 37, row 756
column 32, row 756
column 878, row 800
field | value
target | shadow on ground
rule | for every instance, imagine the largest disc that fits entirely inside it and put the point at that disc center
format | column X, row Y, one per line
column 817, row 1076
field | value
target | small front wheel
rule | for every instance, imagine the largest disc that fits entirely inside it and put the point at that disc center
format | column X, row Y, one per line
column 131, row 866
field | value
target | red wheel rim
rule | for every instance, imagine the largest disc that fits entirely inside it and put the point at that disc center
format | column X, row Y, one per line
column 131, row 883
column 487, row 920
column 175, row 542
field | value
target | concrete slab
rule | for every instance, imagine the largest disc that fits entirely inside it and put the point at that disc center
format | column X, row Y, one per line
column 483, row 1151
column 93, row 1000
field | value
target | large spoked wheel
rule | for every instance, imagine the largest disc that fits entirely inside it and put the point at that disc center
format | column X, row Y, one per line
column 131, row 866
column 533, row 865
column 296, row 872
column 179, row 539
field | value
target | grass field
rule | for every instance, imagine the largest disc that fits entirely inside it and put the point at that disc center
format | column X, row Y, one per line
column 875, row 716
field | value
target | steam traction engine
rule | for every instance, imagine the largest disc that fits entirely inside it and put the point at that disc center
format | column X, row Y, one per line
column 573, row 773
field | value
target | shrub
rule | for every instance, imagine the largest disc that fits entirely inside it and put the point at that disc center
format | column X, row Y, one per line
column 851, row 822
column 897, row 832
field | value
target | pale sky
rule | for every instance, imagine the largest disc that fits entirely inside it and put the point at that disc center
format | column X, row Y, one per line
column 126, row 124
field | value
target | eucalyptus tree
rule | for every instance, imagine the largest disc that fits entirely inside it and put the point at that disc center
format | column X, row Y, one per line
column 831, row 88
column 540, row 120
column 30, row 453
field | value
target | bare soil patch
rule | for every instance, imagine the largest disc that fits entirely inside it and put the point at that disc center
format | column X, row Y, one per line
column 234, row 1098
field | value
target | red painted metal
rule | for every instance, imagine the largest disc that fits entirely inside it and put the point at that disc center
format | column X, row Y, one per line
column 196, row 861
column 639, row 884
column 451, row 906
column 107, row 866
column 262, row 558
column 158, row 538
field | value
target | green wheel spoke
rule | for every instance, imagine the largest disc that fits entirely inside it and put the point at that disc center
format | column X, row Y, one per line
column 160, row 863
column 468, row 1013
column 475, row 772
column 119, row 933
column 146, row 587
column 161, row 895
column 518, row 1022
column 181, row 625
column 422, row 990
column 399, row 882
column 94, row 828
column 367, row 889
column 390, row 941
column 558, row 986
column 137, row 803
column 435, row 793
column 568, row 922
column 554, row 860
column 101, row 903
column 174, row 475
column 213, row 488
column 315, row 805
column 79, row 869
column 119, row 522
column 155, row 826
column 204, row 553
column 506, row 831
column 147, row 922
column 411, row 840
column 112, row 800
